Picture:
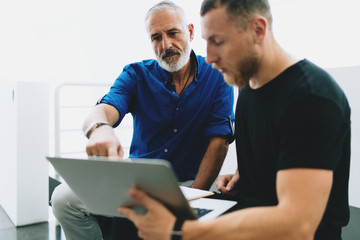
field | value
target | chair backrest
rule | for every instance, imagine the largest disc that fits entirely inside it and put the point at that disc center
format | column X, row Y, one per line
column 73, row 102
column 352, row 230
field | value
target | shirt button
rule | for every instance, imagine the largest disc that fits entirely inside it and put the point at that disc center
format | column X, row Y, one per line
column 175, row 130
column 177, row 109
column 166, row 150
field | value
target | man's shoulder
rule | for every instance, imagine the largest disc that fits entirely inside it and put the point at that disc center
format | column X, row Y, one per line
column 201, row 61
column 148, row 64
column 143, row 69
column 207, row 71
column 319, row 80
column 313, row 86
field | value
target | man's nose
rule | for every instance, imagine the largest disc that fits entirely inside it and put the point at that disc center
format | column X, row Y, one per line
column 166, row 43
column 211, row 56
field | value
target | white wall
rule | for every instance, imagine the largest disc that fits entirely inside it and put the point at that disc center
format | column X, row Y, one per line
column 91, row 41
column 121, row 37
column 321, row 30
column 348, row 79
column 84, row 40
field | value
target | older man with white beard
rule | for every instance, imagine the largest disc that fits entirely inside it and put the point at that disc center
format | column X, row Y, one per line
column 182, row 110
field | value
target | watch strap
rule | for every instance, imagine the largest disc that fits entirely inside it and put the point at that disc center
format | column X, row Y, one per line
column 176, row 233
column 94, row 126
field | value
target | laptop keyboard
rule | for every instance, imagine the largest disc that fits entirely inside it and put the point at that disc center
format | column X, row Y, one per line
column 201, row 211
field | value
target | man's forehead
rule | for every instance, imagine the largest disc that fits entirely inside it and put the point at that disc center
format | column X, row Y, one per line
column 214, row 22
column 164, row 20
column 164, row 28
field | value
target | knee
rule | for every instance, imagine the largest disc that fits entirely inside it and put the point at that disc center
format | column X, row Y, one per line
column 61, row 200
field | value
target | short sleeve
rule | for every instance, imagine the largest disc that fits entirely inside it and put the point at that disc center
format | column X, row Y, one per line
column 312, row 133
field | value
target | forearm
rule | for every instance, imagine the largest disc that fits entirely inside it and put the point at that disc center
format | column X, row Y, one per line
column 102, row 113
column 211, row 163
column 302, row 197
column 102, row 138
column 251, row 223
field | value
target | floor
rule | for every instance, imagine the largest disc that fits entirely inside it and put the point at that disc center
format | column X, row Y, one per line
column 51, row 231
column 41, row 231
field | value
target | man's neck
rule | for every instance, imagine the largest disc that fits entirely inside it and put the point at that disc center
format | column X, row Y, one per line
column 273, row 63
column 181, row 76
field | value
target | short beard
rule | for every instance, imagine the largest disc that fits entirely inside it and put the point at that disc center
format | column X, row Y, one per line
column 171, row 65
column 248, row 68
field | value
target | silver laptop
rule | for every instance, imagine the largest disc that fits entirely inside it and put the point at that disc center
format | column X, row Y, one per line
column 102, row 185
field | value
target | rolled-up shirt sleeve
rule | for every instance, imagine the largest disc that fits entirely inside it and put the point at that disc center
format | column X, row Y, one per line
column 122, row 92
column 222, row 115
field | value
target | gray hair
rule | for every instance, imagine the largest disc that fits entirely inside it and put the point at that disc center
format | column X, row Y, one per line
column 164, row 5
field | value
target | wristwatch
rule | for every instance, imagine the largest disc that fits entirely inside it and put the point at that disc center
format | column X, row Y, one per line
column 176, row 233
column 93, row 126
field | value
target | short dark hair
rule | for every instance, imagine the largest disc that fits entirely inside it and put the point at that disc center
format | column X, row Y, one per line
column 240, row 12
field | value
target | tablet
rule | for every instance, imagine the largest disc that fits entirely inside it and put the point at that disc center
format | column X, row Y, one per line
column 102, row 184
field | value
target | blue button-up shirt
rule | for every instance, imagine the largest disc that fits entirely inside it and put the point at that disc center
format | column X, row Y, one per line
column 167, row 126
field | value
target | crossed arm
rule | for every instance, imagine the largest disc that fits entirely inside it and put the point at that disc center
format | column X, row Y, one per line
column 302, row 196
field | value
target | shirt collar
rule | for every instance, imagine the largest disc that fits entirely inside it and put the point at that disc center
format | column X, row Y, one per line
column 197, row 71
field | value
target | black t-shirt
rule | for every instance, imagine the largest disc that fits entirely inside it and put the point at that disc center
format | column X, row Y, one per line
column 300, row 119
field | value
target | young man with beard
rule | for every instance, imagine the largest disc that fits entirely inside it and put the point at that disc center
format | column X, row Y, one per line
column 182, row 110
column 292, row 138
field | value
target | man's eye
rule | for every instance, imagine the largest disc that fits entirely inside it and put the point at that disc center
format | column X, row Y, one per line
column 218, row 43
column 157, row 38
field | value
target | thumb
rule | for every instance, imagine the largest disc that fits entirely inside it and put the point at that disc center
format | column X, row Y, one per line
column 142, row 198
column 231, row 184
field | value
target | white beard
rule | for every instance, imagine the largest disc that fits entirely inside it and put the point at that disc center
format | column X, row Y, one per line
column 173, row 65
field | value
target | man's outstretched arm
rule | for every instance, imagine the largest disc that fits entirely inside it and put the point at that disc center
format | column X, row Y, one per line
column 102, row 139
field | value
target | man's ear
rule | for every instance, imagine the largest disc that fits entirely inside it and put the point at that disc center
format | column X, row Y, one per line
column 191, row 31
column 259, row 29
